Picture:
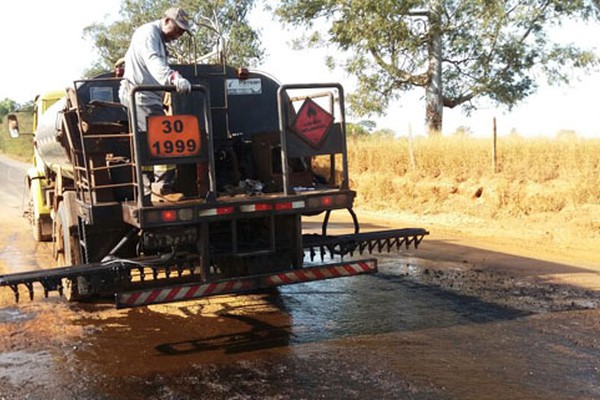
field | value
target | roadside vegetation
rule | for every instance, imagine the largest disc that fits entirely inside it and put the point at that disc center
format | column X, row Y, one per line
column 20, row 148
column 536, row 181
column 537, row 184
column 531, row 175
column 548, row 188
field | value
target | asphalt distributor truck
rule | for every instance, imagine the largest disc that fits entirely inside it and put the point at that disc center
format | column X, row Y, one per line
column 252, row 158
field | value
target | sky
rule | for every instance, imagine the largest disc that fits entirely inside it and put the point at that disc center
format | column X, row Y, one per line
column 49, row 53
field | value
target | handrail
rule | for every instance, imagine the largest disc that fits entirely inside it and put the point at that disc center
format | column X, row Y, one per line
column 283, row 124
column 138, row 145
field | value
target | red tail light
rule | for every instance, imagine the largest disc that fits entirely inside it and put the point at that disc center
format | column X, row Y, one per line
column 168, row 215
column 340, row 200
column 224, row 210
column 283, row 206
column 263, row 207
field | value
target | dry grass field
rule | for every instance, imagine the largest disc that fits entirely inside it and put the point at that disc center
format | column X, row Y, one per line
column 542, row 189
column 533, row 175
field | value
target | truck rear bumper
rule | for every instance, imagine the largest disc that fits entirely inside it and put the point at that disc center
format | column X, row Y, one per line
column 240, row 285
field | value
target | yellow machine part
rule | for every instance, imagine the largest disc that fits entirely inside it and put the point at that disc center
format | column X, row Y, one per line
column 43, row 102
column 36, row 184
column 36, row 174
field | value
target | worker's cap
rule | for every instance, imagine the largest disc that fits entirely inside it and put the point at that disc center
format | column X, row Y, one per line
column 180, row 17
column 120, row 63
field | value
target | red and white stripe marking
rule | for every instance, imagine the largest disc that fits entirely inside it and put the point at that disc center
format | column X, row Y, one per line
column 194, row 291
column 292, row 205
column 319, row 273
column 256, row 207
column 179, row 293
column 289, row 205
column 216, row 211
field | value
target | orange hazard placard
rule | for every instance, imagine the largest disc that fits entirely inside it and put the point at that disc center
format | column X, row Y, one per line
column 173, row 136
column 312, row 123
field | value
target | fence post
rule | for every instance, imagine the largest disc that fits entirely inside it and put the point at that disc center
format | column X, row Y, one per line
column 411, row 149
column 494, row 148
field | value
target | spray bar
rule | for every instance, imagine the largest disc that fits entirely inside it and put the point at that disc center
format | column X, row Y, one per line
column 325, row 246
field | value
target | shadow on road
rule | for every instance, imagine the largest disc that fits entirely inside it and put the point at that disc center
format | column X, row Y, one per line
column 261, row 335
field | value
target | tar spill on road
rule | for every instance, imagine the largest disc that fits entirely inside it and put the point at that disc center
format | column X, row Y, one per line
column 382, row 303
column 278, row 344
column 384, row 335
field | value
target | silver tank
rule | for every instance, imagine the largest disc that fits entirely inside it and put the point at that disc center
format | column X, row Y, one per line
column 48, row 140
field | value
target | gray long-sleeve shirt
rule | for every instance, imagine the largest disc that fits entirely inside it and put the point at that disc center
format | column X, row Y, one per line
column 146, row 62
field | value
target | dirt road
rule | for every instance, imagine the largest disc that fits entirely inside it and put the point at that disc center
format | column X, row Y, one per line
column 457, row 318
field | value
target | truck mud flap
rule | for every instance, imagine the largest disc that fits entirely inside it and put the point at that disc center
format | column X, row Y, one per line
column 169, row 294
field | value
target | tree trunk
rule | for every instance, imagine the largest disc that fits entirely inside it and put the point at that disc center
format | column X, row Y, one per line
column 433, row 93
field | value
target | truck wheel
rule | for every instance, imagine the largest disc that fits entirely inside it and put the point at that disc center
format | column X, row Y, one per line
column 38, row 224
column 67, row 251
column 70, row 287
column 70, row 290
column 38, row 231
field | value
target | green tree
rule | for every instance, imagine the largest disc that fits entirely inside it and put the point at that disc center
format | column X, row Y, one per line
column 356, row 129
column 384, row 133
column 368, row 125
column 459, row 51
column 215, row 23
column 7, row 106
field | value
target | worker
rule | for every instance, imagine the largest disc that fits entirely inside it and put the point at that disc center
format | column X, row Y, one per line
column 146, row 63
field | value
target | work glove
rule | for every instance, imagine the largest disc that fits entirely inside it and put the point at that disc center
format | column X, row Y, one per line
column 182, row 85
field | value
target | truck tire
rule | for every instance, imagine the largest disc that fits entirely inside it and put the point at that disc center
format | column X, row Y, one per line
column 70, row 256
column 41, row 227
column 38, row 231
column 67, row 250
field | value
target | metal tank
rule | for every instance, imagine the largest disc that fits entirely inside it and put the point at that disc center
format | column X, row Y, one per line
column 49, row 139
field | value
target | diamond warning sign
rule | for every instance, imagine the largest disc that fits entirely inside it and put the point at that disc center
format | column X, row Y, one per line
column 312, row 123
